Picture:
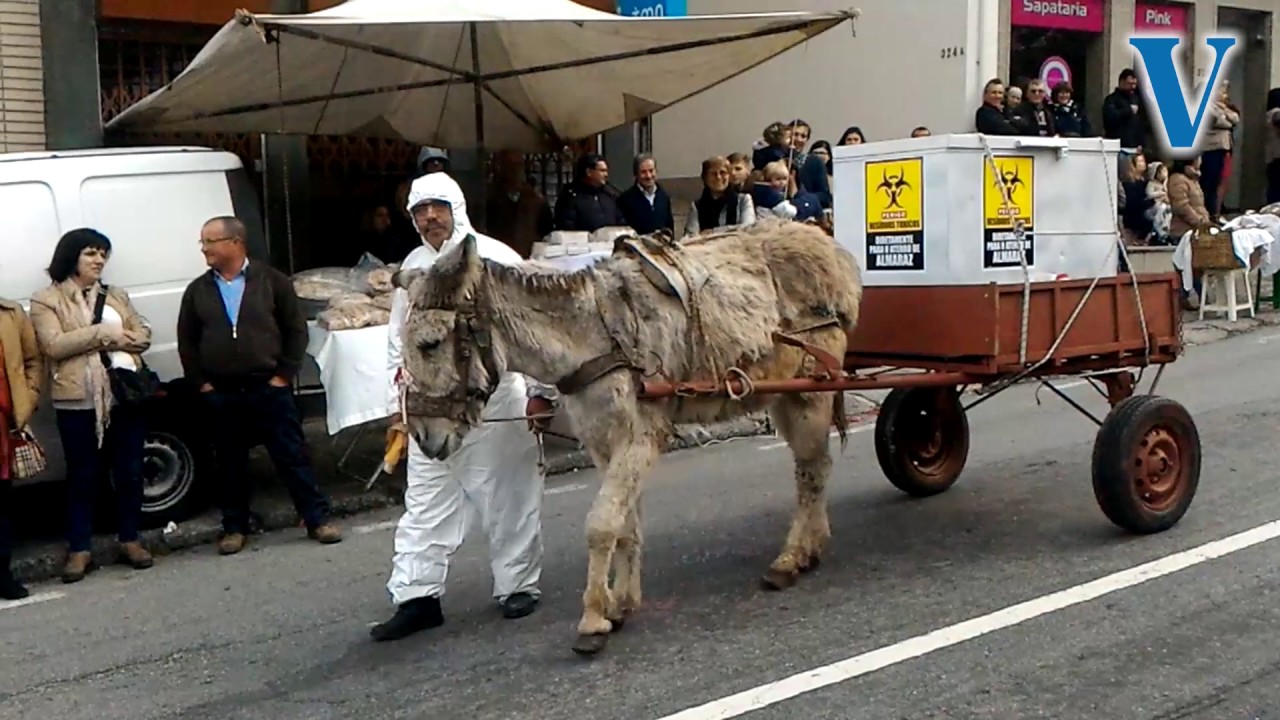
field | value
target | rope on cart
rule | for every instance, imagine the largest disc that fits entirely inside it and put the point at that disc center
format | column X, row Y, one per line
column 1019, row 232
column 1142, row 314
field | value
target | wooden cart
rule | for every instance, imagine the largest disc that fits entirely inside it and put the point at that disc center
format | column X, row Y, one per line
column 1146, row 456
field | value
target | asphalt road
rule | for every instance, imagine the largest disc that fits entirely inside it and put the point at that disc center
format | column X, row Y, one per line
column 282, row 631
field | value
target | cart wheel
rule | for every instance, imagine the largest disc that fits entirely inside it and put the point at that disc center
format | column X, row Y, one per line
column 1146, row 464
column 922, row 439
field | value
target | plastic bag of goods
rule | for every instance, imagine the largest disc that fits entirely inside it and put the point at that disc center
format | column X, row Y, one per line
column 352, row 317
column 322, row 283
column 362, row 274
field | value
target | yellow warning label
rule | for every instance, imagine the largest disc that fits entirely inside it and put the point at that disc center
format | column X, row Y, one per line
column 1004, row 244
column 895, row 214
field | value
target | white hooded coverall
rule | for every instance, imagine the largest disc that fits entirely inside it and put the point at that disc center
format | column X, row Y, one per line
column 493, row 477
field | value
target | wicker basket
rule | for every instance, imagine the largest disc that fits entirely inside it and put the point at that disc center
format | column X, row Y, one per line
column 1213, row 251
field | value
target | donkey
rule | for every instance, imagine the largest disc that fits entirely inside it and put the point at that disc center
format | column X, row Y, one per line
column 742, row 302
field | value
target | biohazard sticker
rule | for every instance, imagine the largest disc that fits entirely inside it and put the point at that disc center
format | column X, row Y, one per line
column 895, row 214
column 1001, row 247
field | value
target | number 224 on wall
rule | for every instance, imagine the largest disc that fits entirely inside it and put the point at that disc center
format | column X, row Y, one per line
column 950, row 52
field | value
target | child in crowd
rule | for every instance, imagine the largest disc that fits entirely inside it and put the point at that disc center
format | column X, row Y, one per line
column 770, row 196
column 1160, row 212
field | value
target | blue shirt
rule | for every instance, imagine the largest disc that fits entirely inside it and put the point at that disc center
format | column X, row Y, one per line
column 232, row 292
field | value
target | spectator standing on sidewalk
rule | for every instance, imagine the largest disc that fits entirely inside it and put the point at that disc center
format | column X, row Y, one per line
column 1035, row 116
column 21, row 376
column 1273, row 145
column 589, row 203
column 1123, row 115
column 1215, row 152
column 242, row 337
column 1068, row 119
column 86, row 330
column 645, row 206
column 991, row 118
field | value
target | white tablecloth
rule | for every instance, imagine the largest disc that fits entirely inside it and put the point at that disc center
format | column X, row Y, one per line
column 1251, row 232
column 353, row 363
column 353, row 370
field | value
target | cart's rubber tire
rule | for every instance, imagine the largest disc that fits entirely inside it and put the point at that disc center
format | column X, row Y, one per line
column 922, row 439
column 1146, row 464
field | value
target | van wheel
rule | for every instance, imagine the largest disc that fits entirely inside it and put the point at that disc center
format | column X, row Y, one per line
column 171, row 488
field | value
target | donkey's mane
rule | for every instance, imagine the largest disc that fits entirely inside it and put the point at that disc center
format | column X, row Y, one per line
column 545, row 282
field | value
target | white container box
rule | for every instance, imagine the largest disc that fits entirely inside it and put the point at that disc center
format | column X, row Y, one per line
column 928, row 211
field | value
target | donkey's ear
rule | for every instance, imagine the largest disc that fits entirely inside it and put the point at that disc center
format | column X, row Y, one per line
column 404, row 279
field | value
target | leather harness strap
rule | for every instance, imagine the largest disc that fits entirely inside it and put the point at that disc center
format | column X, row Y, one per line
column 592, row 370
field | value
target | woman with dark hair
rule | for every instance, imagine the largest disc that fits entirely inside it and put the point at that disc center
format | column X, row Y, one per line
column 21, row 376
column 86, row 329
column 720, row 205
column 852, row 136
column 1068, row 118
column 1273, row 145
column 822, row 149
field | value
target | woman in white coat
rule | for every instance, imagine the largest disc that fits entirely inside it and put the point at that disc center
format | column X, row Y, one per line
column 493, row 479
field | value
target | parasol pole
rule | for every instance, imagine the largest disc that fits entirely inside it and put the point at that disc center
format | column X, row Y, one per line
column 481, row 154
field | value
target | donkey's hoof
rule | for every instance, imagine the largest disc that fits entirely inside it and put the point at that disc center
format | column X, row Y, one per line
column 778, row 580
column 590, row 644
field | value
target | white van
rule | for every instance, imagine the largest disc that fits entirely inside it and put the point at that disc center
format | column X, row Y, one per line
column 151, row 203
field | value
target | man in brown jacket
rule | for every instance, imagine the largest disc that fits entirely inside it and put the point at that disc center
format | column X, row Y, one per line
column 515, row 212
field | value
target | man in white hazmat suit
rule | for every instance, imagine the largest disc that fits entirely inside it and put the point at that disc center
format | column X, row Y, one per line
column 493, row 479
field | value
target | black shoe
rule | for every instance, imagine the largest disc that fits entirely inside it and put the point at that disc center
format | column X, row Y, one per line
column 519, row 605
column 11, row 589
column 411, row 617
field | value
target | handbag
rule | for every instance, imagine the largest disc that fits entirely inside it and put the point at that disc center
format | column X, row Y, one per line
column 129, row 387
column 29, row 458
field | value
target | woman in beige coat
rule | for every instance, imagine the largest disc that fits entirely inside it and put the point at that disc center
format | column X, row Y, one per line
column 21, row 375
column 95, row 428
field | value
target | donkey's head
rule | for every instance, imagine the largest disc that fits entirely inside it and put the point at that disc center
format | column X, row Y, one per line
column 447, row 347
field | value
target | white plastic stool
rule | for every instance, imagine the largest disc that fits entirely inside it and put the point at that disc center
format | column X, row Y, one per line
column 1224, row 282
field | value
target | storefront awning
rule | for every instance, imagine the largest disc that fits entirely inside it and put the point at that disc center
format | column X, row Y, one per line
column 520, row 74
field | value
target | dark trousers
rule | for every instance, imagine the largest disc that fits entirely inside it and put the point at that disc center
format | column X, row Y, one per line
column 1273, row 181
column 121, row 452
column 244, row 414
column 1212, row 163
column 6, row 526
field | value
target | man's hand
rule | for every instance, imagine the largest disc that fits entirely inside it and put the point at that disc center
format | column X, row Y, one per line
column 539, row 406
column 278, row 382
column 206, row 388
column 397, row 426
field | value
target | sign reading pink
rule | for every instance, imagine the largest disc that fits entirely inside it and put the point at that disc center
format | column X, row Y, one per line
column 1151, row 18
column 1082, row 15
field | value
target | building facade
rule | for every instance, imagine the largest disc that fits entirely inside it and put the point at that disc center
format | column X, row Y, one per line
column 923, row 62
column 21, row 77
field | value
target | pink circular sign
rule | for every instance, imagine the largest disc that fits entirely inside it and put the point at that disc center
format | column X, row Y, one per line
column 1055, row 70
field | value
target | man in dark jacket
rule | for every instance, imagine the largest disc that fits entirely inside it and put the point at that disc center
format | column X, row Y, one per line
column 242, row 337
column 588, row 204
column 645, row 206
column 1123, row 113
column 991, row 118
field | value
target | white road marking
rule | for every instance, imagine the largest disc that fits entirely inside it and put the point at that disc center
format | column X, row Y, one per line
column 31, row 600
column 775, row 692
column 783, row 443
column 560, row 490
column 1268, row 338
